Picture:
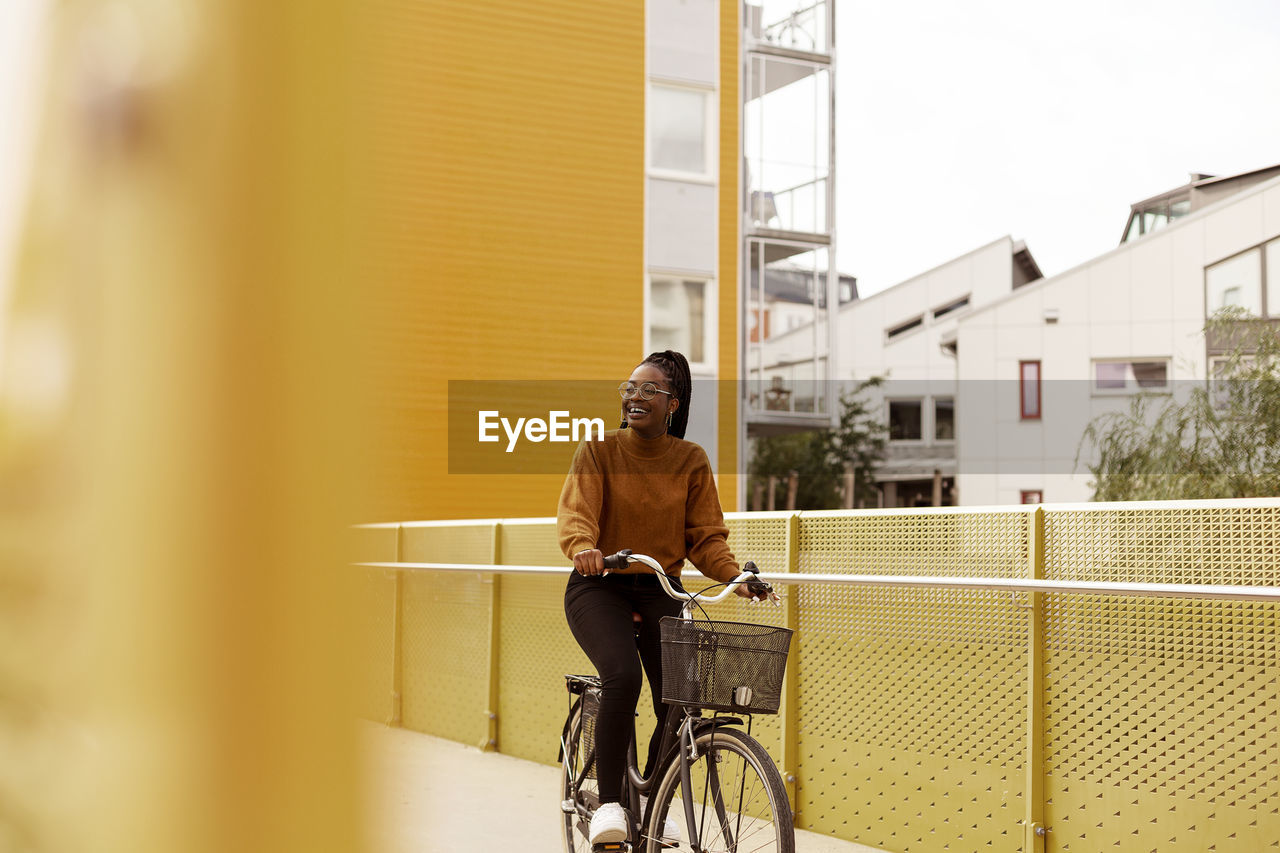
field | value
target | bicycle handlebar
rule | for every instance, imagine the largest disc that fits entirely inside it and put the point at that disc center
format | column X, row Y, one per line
column 623, row 558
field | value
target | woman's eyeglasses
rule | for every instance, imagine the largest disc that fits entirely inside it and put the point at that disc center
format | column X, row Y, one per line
column 646, row 391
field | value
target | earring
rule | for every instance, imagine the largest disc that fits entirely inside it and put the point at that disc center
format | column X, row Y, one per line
column 668, row 420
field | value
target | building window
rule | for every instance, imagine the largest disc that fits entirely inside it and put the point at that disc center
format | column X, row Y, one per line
column 950, row 306
column 1031, row 496
column 905, row 420
column 901, row 328
column 1029, row 390
column 944, row 419
column 1235, row 282
column 1155, row 216
column 1123, row 377
column 1224, row 378
column 678, row 317
column 679, row 130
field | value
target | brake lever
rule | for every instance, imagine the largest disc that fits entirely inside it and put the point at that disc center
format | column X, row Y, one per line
column 759, row 587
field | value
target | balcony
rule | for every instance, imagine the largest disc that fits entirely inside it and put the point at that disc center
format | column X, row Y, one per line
column 793, row 26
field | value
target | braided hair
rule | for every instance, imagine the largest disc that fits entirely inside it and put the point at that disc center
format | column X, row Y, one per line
column 676, row 368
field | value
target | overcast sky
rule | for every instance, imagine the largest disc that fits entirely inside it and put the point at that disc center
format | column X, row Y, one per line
column 960, row 122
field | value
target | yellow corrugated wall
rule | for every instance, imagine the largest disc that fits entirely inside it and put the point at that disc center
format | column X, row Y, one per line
column 502, row 173
column 730, row 248
column 505, row 199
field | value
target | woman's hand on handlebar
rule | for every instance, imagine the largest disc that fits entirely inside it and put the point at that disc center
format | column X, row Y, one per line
column 589, row 562
column 756, row 590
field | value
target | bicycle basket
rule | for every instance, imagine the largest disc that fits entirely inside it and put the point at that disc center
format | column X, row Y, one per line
column 723, row 666
column 587, row 738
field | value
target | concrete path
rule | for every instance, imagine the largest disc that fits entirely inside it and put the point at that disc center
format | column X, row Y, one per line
column 429, row 795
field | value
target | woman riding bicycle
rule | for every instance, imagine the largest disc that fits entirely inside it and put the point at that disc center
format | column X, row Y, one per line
column 644, row 487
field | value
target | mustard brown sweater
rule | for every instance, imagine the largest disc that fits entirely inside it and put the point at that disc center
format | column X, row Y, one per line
column 654, row 496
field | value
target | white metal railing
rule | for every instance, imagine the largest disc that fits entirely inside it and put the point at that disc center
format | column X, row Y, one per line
column 1166, row 590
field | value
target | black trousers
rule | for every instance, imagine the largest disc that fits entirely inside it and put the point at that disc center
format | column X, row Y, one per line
column 599, row 613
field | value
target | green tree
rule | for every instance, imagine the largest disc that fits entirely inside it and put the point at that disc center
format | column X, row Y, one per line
column 1222, row 441
column 819, row 457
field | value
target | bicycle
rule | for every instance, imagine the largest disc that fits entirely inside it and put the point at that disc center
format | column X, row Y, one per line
column 714, row 780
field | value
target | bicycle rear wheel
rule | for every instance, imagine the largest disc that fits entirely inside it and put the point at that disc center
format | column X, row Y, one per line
column 739, row 800
column 575, row 757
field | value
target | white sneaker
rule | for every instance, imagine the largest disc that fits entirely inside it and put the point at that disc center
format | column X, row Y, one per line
column 609, row 823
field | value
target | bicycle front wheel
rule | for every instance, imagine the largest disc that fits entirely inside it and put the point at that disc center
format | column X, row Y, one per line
column 739, row 801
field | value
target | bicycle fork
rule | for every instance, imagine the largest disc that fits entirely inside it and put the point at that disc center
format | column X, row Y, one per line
column 689, row 757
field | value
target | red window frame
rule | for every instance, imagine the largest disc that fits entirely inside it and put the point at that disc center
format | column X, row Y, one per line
column 1024, row 412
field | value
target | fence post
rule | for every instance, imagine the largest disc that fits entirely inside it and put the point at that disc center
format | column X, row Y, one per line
column 495, row 640
column 789, row 709
column 397, row 638
column 1033, row 823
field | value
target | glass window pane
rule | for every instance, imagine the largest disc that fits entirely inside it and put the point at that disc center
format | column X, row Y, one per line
column 804, row 399
column 904, row 420
column 903, row 328
column 1130, row 375
column 1029, row 375
column 786, row 144
column 787, row 329
column 677, row 316
column 944, row 420
column 678, row 129
column 1109, row 374
column 1150, row 374
column 1135, row 228
column 1273, row 278
column 1236, row 282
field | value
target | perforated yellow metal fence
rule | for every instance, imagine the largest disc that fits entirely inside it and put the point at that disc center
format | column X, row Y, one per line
column 912, row 713
column 1162, row 716
column 916, row 719
column 536, row 646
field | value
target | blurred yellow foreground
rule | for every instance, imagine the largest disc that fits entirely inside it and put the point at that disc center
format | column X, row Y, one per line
column 176, row 436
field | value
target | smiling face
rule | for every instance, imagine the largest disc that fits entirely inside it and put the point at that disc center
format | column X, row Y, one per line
column 649, row 417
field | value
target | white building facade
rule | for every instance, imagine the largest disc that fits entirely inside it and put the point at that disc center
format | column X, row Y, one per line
column 907, row 335
column 1036, row 366
column 993, row 373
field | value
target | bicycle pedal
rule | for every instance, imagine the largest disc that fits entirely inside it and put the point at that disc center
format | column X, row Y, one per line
column 612, row 847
